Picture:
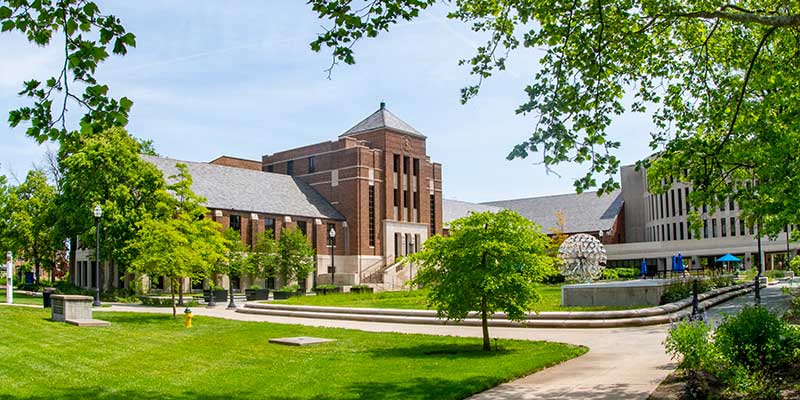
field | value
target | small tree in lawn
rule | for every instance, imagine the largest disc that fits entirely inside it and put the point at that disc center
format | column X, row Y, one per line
column 489, row 263
column 295, row 255
column 265, row 256
column 237, row 260
column 181, row 244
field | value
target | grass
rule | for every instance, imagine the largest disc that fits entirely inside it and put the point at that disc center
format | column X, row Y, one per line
column 21, row 298
column 550, row 300
column 154, row 356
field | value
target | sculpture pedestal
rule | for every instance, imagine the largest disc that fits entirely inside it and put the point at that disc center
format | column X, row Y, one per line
column 75, row 310
column 640, row 292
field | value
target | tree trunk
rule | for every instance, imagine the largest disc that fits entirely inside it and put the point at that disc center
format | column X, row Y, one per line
column 180, row 292
column 485, row 324
column 172, row 291
column 73, row 244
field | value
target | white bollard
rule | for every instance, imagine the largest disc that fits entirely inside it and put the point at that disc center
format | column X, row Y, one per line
column 9, row 278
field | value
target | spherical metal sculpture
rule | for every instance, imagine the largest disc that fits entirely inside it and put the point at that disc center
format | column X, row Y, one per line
column 584, row 257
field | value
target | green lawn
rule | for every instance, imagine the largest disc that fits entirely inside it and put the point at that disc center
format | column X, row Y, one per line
column 154, row 356
column 415, row 300
column 21, row 298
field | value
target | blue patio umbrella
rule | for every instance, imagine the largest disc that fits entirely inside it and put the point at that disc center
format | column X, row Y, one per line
column 729, row 258
column 643, row 269
column 679, row 261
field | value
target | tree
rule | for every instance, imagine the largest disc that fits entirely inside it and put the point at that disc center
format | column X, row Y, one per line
column 237, row 260
column 182, row 244
column 30, row 216
column 489, row 262
column 88, row 37
column 106, row 169
column 559, row 231
column 296, row 256
column 265, row 256
column 720, row 80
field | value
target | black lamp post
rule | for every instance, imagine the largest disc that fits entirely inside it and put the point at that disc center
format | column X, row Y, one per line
column 332, row 244
column 757, row 287
column 98, row 212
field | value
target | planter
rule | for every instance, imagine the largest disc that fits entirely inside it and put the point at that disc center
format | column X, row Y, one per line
column 219, row 295
column 277, row 295
column 326, row 291
column 362, row 290
column 256, row 294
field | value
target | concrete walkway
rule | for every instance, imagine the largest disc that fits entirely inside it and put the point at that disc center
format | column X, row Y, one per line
column 622, row 363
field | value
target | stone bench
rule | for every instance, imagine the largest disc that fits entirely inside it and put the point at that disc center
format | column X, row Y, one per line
column 75, row 310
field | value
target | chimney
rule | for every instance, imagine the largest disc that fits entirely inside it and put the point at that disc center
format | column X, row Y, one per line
column 383, row 105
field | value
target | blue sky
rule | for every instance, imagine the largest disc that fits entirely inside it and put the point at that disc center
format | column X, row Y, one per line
column 238, row 78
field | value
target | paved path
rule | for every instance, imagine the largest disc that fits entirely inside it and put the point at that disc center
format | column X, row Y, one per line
column 622, row 363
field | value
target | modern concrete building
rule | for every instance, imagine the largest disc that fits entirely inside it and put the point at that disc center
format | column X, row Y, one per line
column 635, row 224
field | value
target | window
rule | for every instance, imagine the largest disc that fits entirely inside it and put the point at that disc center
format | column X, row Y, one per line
column 731, row 203
column 372, row 216
column 680, row 228
column 416, row 200
column 674, row 231
column 290, row 167
column 433, row 215
column 405, row 164
column 269, row 226
column 406, row 199
column 416, row 167
column 303, row 226
column 688, row 229
column 312, row 165
column 723, row 227
column 680, row 203
column 669, row 237
column 741, row 229
column 661, row 201
column 236, row 222
column 672, row 202
column 733, row 226
column 686, row 196
column 397, row 197
column 713, row 227
column 663, row 235
column 270, row 168
column 396, row 163
column 705, row 229
column 331, row 240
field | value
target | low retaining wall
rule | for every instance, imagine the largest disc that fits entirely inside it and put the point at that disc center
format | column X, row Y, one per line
column 577, row 319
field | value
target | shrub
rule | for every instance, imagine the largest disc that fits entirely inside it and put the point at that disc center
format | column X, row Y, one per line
column 361, row 287
column 691, row 340
column 757, row 339
column 609, row 274
column 326, row 287
column 289, row 288
column 256, row 287
column 775, row 274
column 628, row 273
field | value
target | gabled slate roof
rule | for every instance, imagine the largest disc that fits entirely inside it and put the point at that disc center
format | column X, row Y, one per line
column 583, row 212
column 383, row 119
column 239, row 189
column 455, row 209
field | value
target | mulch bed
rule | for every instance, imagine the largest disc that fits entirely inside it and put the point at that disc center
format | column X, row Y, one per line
column 705, row 386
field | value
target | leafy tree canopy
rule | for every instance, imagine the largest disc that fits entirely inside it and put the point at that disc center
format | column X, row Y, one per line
column 720, row 80
column 88, row 37
column 181, row 243
column 296, row 256
column 105, row 169
column 265, row 256
column 489, row 263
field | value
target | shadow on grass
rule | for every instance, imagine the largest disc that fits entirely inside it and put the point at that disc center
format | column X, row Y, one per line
column 446, row 350
column 134, row 319
column 413, row 389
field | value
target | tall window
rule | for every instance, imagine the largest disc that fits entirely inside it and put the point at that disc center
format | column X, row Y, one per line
column 741, row 228
column 416, row 167
column 405, row 165
column 270, row 168
column 236, row 222
column 705, row 229
column 680, row 203
column 686, row 196
column 312, row 165
column 396, row 163
column 397, row 197
column 672, row 202
column 290, row 167
column 731, row 203
column 661, row 202
column 723, row 224
column 433, row 215
column 372, row 216
column 713, row 227
column 303, row 226
column 733, row 226
column 269, row 226
column 680, row 228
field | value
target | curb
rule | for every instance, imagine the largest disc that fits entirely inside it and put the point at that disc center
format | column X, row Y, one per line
column 581, row 319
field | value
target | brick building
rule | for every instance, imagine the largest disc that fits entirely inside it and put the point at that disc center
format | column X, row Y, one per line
column 375, row 186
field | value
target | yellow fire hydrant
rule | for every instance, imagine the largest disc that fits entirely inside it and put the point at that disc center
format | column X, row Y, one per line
column 188, row 315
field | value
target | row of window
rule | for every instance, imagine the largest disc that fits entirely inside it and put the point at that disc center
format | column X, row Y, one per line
column 712, row 228
column 675, row 201
column 235, row 223
column 405, row 244
column 312, row 166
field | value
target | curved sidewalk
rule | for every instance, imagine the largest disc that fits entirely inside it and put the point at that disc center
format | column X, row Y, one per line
column 622, row 363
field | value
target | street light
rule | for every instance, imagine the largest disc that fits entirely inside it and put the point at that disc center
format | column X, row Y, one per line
column 332, row 244
column 98, row 212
